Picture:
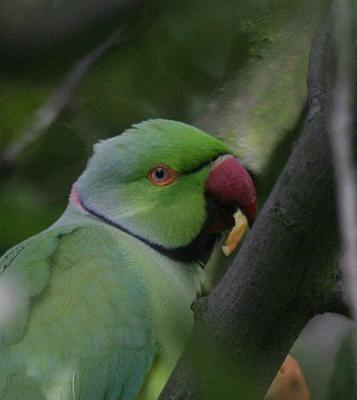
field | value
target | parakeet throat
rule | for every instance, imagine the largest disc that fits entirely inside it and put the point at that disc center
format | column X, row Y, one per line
column 219, row 217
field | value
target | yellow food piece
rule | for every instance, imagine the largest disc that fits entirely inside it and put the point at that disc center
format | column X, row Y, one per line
column 236, row 234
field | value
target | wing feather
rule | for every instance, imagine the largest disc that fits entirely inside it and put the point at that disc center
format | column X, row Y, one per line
column 71, row 309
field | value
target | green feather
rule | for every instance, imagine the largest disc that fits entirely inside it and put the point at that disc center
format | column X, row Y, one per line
column 87, row 309
column 116, row 183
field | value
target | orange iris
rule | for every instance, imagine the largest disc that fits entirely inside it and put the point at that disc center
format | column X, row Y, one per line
column 162, row 175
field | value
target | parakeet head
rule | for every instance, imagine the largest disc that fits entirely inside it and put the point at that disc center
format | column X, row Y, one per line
column 167, row 184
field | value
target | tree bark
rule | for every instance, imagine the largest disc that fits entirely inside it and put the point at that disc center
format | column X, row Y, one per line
column 282, row 275
column 342, row 135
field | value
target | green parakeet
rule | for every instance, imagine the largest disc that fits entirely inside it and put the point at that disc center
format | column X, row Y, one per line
column 97, row 307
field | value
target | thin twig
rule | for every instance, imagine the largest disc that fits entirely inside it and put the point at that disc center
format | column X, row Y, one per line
column 62, row 96
column 341, row 135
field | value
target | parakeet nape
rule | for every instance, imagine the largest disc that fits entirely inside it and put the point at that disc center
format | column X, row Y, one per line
column 97, row 307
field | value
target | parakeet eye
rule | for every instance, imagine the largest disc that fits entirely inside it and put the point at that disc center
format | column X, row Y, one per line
column 162, row 175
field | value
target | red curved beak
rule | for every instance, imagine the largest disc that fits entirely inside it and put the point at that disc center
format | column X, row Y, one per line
column 230, row 183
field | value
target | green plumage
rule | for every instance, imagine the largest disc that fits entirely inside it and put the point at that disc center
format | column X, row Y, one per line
column 90, row 309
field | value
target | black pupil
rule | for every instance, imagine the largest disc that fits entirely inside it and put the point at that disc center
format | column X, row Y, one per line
column 160, row 174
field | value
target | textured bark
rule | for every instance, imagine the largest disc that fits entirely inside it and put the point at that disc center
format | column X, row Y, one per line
column 282, row 275
column 342, row 139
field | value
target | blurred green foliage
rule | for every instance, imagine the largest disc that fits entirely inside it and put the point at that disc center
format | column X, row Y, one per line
column 182, row 53
column 169, row 71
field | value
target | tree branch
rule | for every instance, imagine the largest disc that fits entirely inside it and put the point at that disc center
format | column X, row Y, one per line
column 271, row 82
column 341, row 136
column 336, row 301
column 252, row 318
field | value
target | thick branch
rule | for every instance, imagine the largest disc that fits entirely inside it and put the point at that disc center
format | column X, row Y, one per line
column 335, row 301
column 341, row 130
column 243, row 112
column 341, row 134
column 252, row 318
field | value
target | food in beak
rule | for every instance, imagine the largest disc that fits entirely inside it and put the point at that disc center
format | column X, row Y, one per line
column 236, row 234
column 230, row 183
